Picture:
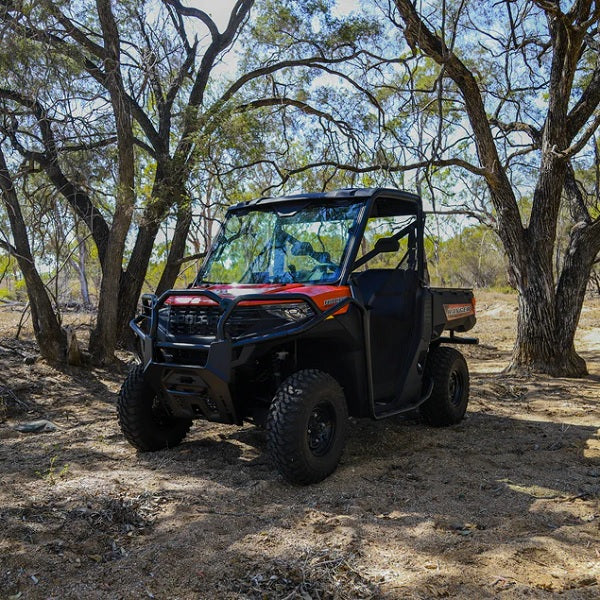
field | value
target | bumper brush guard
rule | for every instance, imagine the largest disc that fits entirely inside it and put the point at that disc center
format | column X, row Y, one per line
column 203, row 390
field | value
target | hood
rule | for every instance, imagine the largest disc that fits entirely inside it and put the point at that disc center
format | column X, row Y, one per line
column 324, row 296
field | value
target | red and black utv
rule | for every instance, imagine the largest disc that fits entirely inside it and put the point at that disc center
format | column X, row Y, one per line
column 308, row 308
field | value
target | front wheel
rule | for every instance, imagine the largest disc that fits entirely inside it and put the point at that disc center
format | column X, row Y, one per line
column 306, row 426
column 447, row 369
column 142, row 418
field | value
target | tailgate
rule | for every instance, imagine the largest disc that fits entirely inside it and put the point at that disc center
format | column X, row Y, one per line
column 453, row 310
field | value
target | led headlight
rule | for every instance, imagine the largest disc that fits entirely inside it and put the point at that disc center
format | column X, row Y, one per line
column 297, row 311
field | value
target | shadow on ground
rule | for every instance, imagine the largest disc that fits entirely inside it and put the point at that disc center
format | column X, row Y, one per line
column 505, row 502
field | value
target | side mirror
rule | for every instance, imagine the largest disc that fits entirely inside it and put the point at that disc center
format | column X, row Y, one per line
column 381, row 245
column 386, row 245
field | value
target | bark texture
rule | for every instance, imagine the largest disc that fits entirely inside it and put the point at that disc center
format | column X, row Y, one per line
column 549, row 310
column 103, row 340
column 177, row 249
column 50, row 337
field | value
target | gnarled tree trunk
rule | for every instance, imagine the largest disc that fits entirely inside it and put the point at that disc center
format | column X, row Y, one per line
column 50, row 336
column 103, row 340
column 548, row 310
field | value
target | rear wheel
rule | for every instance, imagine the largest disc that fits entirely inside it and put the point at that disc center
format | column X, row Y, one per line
column 447, row 369
column 306, row 426
column 142, row 418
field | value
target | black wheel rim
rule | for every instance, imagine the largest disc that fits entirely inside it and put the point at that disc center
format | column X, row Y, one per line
column 321, row 429
column 456, row 386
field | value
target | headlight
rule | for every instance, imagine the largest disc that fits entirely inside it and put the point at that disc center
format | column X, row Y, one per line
column 291, row 312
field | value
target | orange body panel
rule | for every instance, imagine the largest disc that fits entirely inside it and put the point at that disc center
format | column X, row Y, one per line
column 324, row 296
column 458, row 311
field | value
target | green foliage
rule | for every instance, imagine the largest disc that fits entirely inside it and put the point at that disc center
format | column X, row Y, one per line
column 153, row 274
column 53, row 473
column 282, row 23
column 21, row 291
column 472, row 258
column 6, row 294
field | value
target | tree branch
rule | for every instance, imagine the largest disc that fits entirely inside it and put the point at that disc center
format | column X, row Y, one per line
column 188, row 11
column 73, row 31
column 288, row 173
column 517, row 126
column 73, row 52
column 76, row 196
column 577, row 207
column 302, row 106
column 191, row 257
column 419, row 36
column 219, row 43
column 586, row 105
column 583, row 140
column 9, row 248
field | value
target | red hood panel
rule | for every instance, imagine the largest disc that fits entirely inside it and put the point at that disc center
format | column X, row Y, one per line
column 323, row 295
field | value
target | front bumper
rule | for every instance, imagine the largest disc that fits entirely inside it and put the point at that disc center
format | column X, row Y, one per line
column 204, row 390
column 193, row 391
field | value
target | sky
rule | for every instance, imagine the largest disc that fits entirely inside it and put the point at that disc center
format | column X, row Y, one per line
column 220, row 10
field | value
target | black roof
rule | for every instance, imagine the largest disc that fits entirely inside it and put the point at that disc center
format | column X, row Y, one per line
column 346, row 193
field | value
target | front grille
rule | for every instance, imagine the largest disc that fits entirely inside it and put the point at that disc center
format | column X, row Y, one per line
column 202, row 321
column 194, row 320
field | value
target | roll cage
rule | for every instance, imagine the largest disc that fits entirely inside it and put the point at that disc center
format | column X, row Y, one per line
column 376, row 202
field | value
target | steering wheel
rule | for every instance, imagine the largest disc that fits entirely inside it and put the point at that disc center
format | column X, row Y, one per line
column 324, row 268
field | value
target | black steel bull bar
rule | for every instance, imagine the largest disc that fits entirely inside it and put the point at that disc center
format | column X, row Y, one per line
column 204, row 390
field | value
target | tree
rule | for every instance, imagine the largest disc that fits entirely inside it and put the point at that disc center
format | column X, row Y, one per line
column 530, row 90
column 505, row 97
column 49, row 334
column 104, row 337
column 156, row 74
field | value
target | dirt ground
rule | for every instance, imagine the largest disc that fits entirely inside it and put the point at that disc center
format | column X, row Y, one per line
column 506, row 504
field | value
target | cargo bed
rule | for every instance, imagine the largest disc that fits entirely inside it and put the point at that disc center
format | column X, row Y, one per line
column 453, row 310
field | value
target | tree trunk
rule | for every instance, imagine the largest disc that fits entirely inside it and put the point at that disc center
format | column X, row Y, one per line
column 549, row 314
column 83, row 280
column 50, row 336
column 584, row 246
column 540, row 346
column 132, row 280
column 168, row 185
column 80, row 267
column 177, row 250
column 103, row 340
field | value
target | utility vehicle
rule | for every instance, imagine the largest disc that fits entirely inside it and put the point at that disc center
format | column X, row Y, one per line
column 308, row 309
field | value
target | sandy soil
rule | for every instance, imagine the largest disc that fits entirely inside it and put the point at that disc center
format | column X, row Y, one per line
column 503, row 505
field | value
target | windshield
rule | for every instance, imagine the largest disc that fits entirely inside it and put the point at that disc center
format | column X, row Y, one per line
column 283, row 244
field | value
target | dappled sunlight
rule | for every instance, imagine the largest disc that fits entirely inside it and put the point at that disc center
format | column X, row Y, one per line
column 505, row 502
column 592, row 447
